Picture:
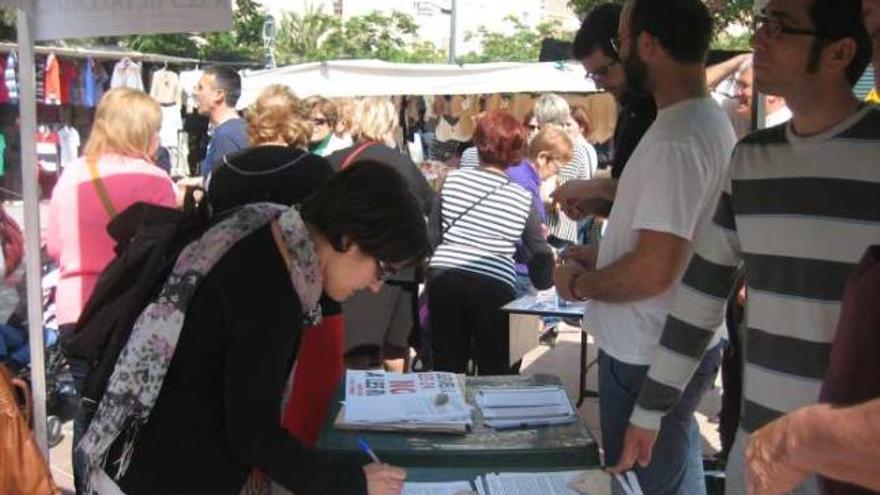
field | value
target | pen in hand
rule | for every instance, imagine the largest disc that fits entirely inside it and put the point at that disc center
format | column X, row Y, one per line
column 366, row 448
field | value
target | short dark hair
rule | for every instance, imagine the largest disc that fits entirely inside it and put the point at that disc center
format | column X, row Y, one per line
column 597, row 31
column 836, row 20
column 500, row 139
column 228, row 80
column 683, row 27
column 370, row 204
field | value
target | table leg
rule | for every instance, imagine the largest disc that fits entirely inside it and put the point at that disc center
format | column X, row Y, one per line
column 583, row 393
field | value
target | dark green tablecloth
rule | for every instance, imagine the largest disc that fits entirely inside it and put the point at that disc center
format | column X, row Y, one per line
column 552, row 447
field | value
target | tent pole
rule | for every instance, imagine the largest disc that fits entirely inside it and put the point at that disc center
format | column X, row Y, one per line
column 28, row 115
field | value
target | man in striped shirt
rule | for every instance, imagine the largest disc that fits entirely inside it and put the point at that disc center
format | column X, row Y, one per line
column 666, row 194
column 799, row 209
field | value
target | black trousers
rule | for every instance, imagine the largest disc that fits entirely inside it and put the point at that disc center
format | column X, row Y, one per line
column 467, row 321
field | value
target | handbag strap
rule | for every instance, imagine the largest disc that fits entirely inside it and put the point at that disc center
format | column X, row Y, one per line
column 472, row 206
column 354, row 154
column 103, row 195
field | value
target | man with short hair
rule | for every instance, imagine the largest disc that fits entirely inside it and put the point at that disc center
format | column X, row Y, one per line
column 664, row 198
column 217, row 93
column 595, row 46
column 798, row 211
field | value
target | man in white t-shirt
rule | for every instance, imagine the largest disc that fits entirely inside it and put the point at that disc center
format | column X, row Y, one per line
column 667, row 192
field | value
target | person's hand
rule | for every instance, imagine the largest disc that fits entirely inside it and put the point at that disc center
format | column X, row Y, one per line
column 582, row 255
column 383, row 479
column 769, row 469
column 569, row 197
column 563, row 275
column 638, row 443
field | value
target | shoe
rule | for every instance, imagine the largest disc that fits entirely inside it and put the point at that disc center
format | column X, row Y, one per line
column 549, row 336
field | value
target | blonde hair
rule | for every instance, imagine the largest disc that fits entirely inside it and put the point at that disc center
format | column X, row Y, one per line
column 345, row 116
column 275, row 117
column 374, row 118
column 126, row 123
column 555, row 141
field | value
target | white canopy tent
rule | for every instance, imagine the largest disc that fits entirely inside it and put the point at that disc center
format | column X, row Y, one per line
column 376, row 78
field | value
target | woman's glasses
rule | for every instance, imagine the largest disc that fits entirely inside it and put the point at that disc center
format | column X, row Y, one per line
column 384, row 270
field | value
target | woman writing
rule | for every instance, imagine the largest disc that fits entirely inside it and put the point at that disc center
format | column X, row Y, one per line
column 231, row 315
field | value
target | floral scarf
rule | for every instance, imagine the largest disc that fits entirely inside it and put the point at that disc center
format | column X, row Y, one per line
column 143, row 363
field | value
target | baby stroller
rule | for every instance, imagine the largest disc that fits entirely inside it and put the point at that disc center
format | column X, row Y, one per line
column 61, row 397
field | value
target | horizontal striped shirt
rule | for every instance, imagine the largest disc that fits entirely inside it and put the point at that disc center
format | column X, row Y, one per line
column 583, row 165
column 798, row 213
column 481, row 238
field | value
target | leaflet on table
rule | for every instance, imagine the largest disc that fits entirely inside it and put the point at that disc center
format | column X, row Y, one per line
column 546, row 483
column 380, row 397
column 539, row 483
column 522, row 407
column 439, row 488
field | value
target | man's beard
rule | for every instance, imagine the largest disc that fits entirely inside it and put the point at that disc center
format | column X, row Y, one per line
column 636, row 73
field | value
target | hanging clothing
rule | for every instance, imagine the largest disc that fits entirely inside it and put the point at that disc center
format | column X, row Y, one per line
column 2, row 155
column 40, row 75
column 172, row 123
column 47, row 150
column 68, row 139
column 127, row 74
column 165, row 88
column 69, row 79
column 4, row 91
column 52, row 81
column 10, row 77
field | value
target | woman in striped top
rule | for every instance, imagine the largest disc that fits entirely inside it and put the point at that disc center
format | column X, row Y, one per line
column 477, row 222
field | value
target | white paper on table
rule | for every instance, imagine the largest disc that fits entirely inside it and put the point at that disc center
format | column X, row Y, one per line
column 527, row 412
column 412, row 408
column 506, row 424
column 542, row 483
column 521, row 396
column 441, row 488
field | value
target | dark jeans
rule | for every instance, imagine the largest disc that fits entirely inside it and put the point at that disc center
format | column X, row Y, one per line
column 676, row 463
column 467, row 321
column 79, row 369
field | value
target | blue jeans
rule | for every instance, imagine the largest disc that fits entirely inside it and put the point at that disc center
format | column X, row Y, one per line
column 676, row 463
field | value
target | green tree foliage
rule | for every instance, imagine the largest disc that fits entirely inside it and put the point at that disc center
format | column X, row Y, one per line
column 520, row 43
column 243, row 43
column 725, row 12
column 313, row 35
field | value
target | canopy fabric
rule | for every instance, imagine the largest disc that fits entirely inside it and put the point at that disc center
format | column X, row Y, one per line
column 376, row 78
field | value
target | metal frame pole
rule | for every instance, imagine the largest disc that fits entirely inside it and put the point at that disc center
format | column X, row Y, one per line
column 28, row 118
column 453, row 13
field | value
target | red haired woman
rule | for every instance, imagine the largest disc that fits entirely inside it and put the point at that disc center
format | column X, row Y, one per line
column 477, row 222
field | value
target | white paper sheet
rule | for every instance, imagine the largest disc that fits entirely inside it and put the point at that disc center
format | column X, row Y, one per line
column 443, row 488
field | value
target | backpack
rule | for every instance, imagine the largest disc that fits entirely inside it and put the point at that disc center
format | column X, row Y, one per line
column 149, row 238
column 12, row 242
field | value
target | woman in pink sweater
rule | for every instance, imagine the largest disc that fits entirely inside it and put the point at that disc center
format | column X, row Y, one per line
column 124, row 137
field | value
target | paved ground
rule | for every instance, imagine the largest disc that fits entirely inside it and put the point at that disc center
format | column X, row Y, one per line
column 560, row 360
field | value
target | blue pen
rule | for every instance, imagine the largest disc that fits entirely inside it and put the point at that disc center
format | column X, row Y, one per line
column 366, row 448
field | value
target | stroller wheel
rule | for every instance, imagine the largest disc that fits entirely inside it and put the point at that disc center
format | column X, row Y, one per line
column 53, row 430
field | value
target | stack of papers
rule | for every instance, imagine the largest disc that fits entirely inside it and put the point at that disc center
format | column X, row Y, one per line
column 544, row 483
column 376, row 400
column 524, row 407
